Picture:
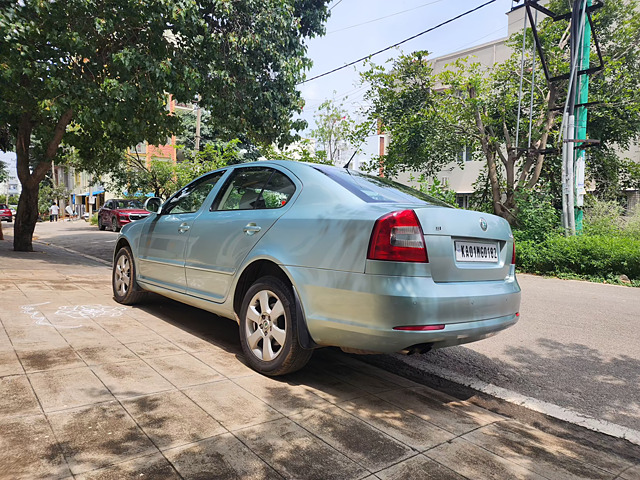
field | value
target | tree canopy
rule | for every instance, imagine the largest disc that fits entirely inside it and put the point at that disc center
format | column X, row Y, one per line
column 93, row 77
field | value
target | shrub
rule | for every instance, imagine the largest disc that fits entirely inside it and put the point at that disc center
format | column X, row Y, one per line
column 596, row 256
column 632, row 224
column 536, row 217
column 603, row 218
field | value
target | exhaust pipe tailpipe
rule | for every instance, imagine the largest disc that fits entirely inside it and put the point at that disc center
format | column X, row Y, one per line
column 418, row 348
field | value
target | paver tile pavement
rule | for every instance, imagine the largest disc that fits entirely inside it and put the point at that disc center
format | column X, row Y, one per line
column 98, row 390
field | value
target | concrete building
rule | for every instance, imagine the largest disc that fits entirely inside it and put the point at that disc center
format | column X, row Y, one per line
column 12, row 185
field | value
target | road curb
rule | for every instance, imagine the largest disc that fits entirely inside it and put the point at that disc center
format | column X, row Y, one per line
column 550, row 410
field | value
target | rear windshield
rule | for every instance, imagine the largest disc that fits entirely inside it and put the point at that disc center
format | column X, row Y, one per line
column 376, row 189
column 3, row 206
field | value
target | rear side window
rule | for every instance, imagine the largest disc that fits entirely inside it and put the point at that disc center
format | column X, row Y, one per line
column 278, row 191
column 376, row 189
column 255, row 188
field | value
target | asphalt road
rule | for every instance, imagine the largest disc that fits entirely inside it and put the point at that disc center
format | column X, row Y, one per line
column 577, row 344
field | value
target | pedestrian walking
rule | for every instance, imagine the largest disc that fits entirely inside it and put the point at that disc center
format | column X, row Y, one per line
column 54, row 210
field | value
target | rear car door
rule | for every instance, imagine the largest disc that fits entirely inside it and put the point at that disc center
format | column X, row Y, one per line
column 248, row 204
column 164, row 237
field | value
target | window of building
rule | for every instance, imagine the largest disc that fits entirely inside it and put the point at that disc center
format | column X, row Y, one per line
column 462, row 200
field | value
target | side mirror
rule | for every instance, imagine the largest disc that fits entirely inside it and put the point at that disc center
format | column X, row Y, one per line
column 153, row 204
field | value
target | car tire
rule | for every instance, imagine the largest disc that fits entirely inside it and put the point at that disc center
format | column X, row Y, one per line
column 123, row 279
column 114, row 225
column 271, row 345
column 101, row 226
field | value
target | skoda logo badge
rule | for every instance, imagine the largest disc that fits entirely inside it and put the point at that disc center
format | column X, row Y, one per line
column 483, row 224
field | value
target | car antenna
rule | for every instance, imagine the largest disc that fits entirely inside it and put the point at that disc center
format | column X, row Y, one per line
column 347, row 165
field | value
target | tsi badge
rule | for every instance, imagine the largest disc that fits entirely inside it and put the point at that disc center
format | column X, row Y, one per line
column 483, row 224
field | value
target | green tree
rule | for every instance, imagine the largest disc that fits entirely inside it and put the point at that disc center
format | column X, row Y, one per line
column 429, row 115
column 162, row 178
column 91, row 76
column 333, row 133
column 4, row 172
column 404, row 104
column 48, row 194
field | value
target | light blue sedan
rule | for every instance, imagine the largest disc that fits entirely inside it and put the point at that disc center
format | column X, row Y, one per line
column 304, row 256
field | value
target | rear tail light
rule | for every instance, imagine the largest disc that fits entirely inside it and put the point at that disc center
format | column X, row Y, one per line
column 513, row 256
column 398, row 237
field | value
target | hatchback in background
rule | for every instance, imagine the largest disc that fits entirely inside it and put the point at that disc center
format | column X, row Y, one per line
column 5, row 213
column 116, row 213
column 304, row 256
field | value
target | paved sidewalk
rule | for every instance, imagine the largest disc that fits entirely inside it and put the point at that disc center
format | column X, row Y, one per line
column 92, row 389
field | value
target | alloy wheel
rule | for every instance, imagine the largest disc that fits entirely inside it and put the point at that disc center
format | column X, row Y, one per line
column 266, row 325
column 122, row 275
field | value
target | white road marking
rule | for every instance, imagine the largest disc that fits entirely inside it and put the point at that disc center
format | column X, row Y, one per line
column 549, row 409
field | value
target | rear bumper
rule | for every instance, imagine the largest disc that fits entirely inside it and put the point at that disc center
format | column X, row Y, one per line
column 359, row 311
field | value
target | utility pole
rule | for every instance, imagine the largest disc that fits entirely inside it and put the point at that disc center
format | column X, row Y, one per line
column 581, row 120
column 575, row 130
column 574, row 115
column 198, row 121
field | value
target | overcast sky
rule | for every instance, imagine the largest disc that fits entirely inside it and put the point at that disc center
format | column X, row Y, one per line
column 354, row 31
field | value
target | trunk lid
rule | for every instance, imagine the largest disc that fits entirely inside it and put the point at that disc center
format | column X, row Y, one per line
column 483, row 242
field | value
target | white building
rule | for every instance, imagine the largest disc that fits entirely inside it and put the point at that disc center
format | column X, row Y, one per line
column 12, row 186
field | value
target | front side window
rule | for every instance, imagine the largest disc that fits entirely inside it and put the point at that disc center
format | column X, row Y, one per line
column 256, row 188
column 191, row 197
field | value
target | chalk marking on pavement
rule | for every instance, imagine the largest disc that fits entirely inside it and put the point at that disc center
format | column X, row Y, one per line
column 549, row 409
column 39, row 317
column 90, row 311
column 71, row 311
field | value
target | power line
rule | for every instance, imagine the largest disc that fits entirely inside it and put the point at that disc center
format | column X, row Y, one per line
column 336, row 4
column 382, row 18
column 399, row 43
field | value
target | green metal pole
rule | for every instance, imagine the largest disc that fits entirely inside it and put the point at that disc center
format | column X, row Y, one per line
column 582, row 96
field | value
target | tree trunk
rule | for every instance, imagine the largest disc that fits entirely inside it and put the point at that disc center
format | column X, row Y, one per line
column 26, row 217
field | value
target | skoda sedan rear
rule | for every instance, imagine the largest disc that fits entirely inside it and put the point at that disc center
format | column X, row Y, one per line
column 304, row 256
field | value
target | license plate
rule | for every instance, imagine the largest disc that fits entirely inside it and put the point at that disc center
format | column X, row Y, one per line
column 476, row 252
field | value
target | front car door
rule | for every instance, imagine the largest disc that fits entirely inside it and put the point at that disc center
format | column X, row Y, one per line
column 247, row 205
column 105, row 213
column 164, row 237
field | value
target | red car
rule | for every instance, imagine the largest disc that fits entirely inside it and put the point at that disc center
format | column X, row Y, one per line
column 5, row 213
column 116, row 213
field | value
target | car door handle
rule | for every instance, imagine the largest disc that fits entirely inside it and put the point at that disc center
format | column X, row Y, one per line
column 184, row 227
column 251, row 229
